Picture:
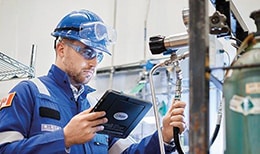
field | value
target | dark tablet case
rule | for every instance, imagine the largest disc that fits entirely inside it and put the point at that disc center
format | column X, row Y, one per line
column 123, row 111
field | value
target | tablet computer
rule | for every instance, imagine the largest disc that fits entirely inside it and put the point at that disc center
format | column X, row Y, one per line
column 123, row 111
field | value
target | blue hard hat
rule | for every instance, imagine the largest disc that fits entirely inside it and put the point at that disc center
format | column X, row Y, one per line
column 86, row 27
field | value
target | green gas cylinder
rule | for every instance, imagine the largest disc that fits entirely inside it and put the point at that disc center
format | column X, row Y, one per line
column 241, row 90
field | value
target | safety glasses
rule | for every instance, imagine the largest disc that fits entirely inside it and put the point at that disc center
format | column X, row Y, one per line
column 86, row 52
column 97, row 31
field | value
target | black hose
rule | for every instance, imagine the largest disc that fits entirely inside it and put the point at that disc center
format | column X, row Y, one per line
column 176, row 131
column 215, row 134
column 219, row 86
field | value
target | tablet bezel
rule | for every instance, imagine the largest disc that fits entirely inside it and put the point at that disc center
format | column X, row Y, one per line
column 113, row 96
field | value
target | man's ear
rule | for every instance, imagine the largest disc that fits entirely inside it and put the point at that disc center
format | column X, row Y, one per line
column 60, row 49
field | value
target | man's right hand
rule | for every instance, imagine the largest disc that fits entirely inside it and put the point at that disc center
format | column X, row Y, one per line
column 83, row 127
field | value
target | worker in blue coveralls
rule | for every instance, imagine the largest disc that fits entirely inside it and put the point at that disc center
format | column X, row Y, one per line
column 51, row 114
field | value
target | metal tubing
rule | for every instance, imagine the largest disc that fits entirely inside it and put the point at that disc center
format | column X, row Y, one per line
column 155, row 108
column 111, row 76
column 176, row 41
column 32, row 62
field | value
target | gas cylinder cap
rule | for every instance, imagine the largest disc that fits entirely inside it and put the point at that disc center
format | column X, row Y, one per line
column 255, row 15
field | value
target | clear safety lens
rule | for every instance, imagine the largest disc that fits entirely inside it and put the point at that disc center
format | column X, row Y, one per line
column 87, row 52
column 97, row 31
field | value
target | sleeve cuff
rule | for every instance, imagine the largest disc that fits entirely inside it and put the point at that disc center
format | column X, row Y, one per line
column 169, row 147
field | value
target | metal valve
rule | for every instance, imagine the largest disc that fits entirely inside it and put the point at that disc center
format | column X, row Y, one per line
column 218, row 24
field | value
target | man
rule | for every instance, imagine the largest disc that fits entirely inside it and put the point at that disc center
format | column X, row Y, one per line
column 51, row 114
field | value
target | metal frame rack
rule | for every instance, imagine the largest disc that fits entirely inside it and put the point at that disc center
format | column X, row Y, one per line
column 13, row 69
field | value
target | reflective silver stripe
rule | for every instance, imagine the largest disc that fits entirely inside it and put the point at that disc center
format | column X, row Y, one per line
column 121, row 145
column 41, row 87
column 10, row 136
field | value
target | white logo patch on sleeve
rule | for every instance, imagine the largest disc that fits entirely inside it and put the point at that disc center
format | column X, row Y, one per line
column 49, row 127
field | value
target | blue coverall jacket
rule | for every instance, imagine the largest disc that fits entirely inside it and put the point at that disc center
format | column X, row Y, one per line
column 40, row 119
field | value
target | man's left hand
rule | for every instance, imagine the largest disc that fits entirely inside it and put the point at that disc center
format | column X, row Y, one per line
column 173, row 118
